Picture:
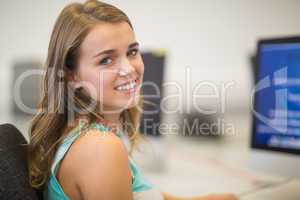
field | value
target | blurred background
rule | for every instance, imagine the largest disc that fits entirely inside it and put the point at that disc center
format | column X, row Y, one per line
column 208, row 41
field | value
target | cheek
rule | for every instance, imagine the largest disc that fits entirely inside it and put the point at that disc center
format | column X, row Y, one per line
column 98, row 83
column 105, row 83
column 88, row 80
column 139, row 67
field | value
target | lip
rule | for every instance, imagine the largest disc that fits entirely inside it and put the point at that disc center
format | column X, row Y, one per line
column 131, row 91
column 134, row 80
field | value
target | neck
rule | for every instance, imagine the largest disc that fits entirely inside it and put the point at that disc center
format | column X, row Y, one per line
column 112, row 118
column 113, row 121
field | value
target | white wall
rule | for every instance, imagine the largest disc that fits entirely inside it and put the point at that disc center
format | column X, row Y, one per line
column 212, row 37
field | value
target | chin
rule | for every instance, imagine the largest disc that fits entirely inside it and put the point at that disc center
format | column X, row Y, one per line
column 127, row 102
column 120, row 105
column 129, row 105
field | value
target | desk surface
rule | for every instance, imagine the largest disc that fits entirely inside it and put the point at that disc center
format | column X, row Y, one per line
column 189, row 166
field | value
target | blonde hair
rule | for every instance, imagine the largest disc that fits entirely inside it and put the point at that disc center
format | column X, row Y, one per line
column 51, row 122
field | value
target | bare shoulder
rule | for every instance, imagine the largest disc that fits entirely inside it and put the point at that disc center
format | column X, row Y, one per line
column 95, row 141
column 96, row 147
column 99, row 164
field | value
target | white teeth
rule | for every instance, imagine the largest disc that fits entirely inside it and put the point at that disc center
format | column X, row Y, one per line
column 128, row 86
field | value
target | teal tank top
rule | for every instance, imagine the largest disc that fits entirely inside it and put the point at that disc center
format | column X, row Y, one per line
column 141, row 188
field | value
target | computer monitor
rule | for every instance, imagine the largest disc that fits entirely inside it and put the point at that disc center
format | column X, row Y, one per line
column 152, row 91
column 275, row 141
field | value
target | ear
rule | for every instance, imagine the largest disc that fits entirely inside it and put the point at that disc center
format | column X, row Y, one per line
column 73, row 80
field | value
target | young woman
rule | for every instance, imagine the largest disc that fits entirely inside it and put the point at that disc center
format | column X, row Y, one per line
column 90, row 104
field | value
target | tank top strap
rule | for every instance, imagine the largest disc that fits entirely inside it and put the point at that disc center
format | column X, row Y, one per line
column 63, row 148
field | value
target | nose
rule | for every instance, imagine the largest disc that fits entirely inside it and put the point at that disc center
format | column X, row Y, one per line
column 126, row 67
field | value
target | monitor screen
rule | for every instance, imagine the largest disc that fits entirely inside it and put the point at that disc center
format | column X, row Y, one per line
column 276, row 110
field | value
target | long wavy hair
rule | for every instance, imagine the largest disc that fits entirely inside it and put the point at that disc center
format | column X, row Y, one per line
column 57, row 106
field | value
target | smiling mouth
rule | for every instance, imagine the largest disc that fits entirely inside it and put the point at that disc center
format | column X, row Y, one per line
column 130, row 86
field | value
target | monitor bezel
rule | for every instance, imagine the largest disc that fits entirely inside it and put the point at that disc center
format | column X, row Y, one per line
column 281, row 40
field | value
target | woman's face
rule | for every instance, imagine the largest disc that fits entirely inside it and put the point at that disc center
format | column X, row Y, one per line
column 110, row 67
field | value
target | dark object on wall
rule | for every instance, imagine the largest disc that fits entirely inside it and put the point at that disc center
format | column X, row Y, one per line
column 152, row 90
column 27, row 76
column 14, row 181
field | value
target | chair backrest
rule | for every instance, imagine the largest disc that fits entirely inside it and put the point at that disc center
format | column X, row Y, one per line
column 14, row 181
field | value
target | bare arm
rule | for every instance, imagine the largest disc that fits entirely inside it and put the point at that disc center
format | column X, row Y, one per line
column 102, row 166
column 208, row 197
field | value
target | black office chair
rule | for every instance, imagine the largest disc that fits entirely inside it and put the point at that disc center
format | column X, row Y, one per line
column 14, row 183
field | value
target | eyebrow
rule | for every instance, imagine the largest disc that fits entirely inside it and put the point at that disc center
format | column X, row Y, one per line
column 111, row 51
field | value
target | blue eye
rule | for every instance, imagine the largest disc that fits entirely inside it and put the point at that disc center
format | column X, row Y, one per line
column 106, row 61
column 133, row 52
